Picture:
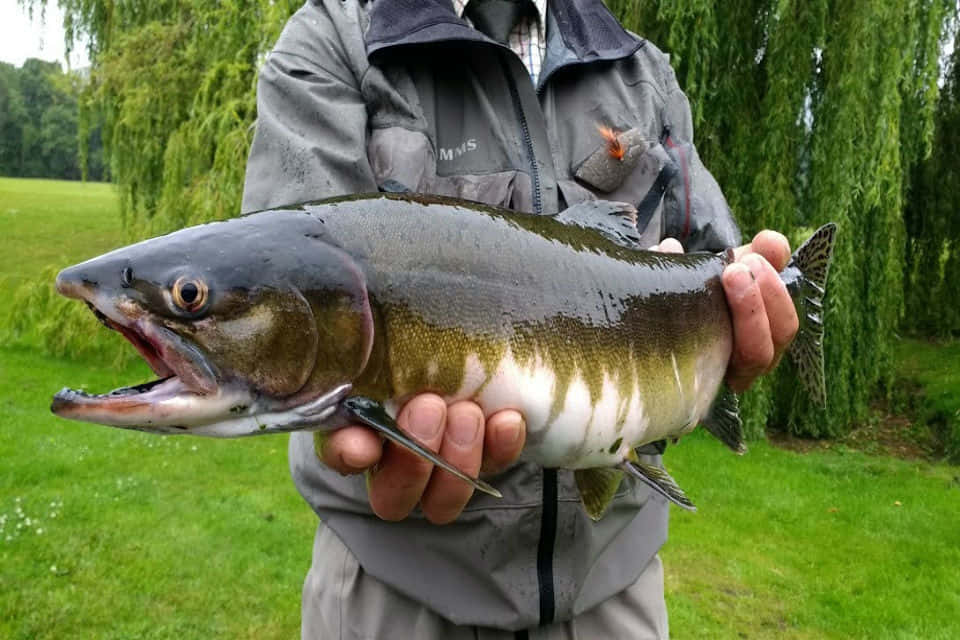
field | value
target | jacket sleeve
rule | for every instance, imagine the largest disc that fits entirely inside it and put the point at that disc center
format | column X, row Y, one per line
column 311, row 129
column 695, row 211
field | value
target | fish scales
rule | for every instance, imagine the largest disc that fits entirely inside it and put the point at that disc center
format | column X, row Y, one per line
column 322, row 315
column 592, row 342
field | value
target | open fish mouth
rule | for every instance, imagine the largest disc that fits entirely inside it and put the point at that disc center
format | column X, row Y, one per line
column 190, row 395
column 146, row 348
column 186, row 394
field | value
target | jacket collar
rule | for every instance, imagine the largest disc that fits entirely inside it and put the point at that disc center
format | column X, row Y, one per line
column 588, row 31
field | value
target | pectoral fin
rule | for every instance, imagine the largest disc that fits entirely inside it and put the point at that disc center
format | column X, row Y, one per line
column 597, row 488
column 660, row 481
column 372, row 414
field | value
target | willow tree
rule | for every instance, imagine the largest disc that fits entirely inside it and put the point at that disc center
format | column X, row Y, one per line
column 932, row 215
column 174, row 82
column 807, row 112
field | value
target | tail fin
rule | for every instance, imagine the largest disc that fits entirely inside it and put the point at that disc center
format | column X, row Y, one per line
column 806, row 280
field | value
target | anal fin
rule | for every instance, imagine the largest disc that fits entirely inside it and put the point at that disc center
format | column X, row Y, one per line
column 372, row 414
column 724, row 420
column 658, row 480
column 597, row 488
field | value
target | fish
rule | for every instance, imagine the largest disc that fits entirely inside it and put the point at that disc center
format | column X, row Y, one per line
column 319, row 315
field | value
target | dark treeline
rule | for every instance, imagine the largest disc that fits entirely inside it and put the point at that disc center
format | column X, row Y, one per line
column 807, row 111
column 39, row 134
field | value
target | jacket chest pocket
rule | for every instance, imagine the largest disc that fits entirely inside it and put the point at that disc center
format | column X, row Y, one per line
column 405, row 160
column 445, row 125
column 626, row 167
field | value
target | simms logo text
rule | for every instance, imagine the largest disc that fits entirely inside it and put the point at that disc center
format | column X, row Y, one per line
column 456, row 152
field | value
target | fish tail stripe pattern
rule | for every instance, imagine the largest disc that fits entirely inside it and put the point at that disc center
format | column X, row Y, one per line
column 813, row 256
column 812, row 261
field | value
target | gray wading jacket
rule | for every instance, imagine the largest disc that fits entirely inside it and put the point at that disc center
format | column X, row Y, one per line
column 402, row 94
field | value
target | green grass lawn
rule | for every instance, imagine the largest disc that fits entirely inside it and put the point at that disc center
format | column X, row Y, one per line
column 54, row 223
column 833, row 544
column 112, row 534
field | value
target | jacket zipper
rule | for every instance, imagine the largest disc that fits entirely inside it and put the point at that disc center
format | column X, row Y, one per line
column 527, row 140
column 548, row 536
column 548, row 519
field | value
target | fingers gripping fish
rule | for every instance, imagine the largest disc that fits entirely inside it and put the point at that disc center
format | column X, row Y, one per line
column 320, row 315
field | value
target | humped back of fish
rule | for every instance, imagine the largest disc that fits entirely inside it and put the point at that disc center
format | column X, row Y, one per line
column 602, row 348
column 320, row 315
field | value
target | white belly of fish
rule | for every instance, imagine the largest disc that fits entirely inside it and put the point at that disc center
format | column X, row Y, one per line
column 601, row 431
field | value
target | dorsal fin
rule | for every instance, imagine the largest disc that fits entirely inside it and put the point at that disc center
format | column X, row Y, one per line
column 617, row 221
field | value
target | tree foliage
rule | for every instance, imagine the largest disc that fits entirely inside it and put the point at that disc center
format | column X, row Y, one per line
column 810, row 112
column 807, row 112
column 38, row 122
column 174, row 82
column 932, row 216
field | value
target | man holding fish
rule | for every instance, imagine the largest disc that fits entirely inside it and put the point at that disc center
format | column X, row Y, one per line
column 528, row 105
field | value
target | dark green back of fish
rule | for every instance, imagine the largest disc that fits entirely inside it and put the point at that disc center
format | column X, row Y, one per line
column 452, row 278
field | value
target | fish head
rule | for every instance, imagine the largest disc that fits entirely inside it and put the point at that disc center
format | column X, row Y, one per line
column 253, row 325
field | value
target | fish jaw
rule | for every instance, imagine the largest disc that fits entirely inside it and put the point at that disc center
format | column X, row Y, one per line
column 188, row 393
column 162, row 406
column 196, row 393
column 247, row 360
column 189, row 390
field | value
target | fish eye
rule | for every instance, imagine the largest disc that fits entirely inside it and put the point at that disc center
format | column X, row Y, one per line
column 189, row 294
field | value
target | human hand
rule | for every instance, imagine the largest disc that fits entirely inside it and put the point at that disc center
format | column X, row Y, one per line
column 399, row 479
column 764, row 318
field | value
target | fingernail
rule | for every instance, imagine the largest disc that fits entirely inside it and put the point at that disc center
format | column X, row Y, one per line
column 740, row 277
column 511, row 431
column 463, row 431
column 426, row 419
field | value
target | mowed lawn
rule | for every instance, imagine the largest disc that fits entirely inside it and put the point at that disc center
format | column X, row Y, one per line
column 54, row 223
column 113, row 534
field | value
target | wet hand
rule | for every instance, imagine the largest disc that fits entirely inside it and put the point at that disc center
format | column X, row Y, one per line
column 399, row 480
column 764, row 318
